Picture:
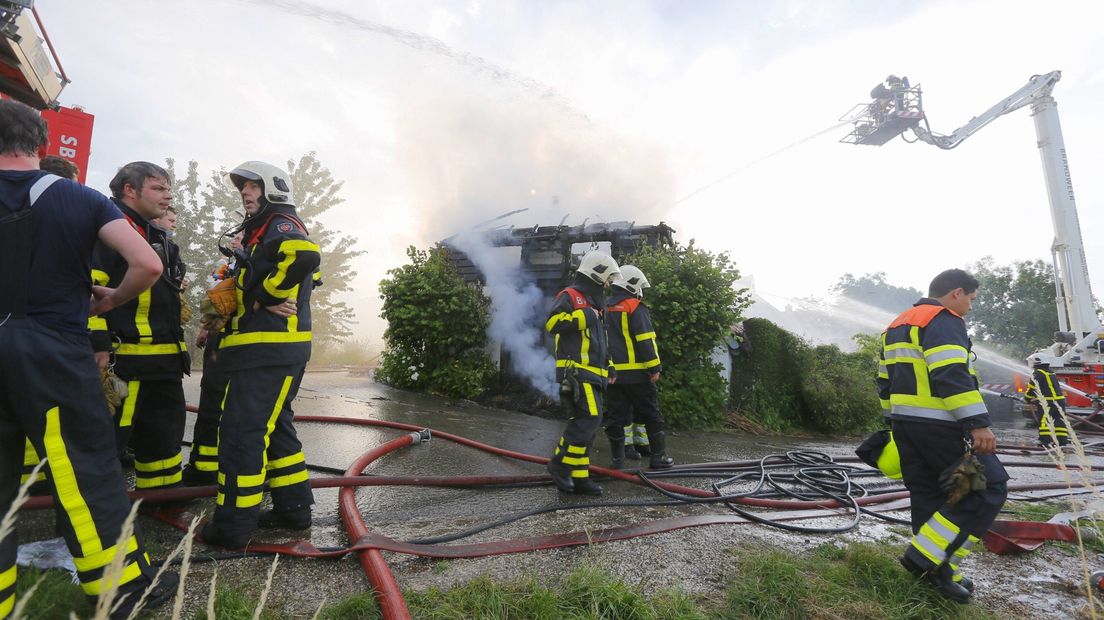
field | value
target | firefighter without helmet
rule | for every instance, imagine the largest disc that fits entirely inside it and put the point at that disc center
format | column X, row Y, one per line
column 275, row 183
column 599, row 266
column 632, row 280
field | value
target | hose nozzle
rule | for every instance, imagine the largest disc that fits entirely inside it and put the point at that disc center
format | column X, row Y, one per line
column 420, row 436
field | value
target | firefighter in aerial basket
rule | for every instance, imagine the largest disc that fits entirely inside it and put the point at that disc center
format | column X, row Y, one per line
column 263, row 351
column 1049, row 402
column 941, row 432
column 583, row 368
column 633, row 401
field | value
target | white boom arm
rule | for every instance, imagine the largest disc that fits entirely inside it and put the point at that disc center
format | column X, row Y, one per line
column 1076, row 311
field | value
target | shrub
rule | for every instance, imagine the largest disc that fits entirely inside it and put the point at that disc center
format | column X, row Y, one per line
column 436, row 328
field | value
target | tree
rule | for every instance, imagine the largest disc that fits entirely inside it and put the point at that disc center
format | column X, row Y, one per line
column 206, row 211
column 1014, row 309
column 436, row 328
column 873, row 289
column 694, row 305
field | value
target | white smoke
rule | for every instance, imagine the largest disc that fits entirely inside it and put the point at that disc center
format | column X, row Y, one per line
column 516, row 307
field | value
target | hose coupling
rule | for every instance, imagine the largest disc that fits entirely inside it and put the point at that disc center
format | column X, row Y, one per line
column 420, row 436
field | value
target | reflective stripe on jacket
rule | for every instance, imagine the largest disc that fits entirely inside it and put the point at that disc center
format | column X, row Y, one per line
column 580, row 336
column 632, row 339
column 925, row 372
column 281, row 265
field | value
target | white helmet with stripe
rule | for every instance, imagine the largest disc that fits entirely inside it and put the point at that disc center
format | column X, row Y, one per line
column 598, row 266
column 632, row 279
column 274, row 181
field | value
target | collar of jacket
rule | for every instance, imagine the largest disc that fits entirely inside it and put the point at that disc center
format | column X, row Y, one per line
column 137, row 220
column 590, row 288
column 618, row 294
column 253, row 222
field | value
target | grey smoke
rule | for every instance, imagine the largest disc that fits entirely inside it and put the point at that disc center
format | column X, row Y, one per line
column 516, row 307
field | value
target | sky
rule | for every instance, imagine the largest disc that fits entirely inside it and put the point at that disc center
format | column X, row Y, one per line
column 440, row 115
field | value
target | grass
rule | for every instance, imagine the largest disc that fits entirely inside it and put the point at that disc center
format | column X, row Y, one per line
column 55, row 597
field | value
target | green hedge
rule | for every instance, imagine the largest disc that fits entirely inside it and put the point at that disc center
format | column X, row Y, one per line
column 786, row 384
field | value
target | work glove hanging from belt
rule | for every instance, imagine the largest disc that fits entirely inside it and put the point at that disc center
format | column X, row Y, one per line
column 965, row 476
column 570, row 391
column 185, row 310
column 115, row 389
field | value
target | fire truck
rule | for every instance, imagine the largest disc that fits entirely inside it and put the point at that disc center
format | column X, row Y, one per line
column 31, row 73
column 1077, row 355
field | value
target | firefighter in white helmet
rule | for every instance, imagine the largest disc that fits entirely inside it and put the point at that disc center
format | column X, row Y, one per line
column 583, row 368
column 634, row 400
column 263, row 350
column 1049, row 402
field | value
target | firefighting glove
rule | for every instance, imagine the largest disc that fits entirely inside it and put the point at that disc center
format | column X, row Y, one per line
column 570, row 392
column 185, row 310
column 965, row 476
column 115, row 389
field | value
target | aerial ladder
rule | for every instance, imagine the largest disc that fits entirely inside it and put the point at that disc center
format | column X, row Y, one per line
column 1077, row 355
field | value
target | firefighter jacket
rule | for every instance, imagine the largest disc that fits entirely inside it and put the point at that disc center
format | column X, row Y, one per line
column 145, row 332
column 925, row 371
column 1050, row 397
column 580, row 334
column 278, row 264
column 632, row 339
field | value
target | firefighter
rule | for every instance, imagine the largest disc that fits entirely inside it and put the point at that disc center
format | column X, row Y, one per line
column 146, row 334
column 1049, row 401
column 49, row 385
column 263, row 349
column 927, row 383
column 633, row 400
column 202, row 468
column 583, row 368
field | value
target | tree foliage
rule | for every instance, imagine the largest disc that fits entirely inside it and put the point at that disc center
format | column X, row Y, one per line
column 786, row 384
column 694, row 305
column 206, row 209
column 436, row 328
column 1014, row 309
column 874, row 290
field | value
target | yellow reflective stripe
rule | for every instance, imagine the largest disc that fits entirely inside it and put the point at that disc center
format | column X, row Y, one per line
column 961, row 400
column 247, row 501
column 100, row 277
column 288, row 480
column 234, row 340
column 276, row 408
column 221, row 478
column 290, row 248
column 576, row 460
column 225, row 394
column 39, row 477
column 556, row 318
column 584, row 349
column 30, row 457
column 208, row 450
column 205, row 465
column 65, row 482
column 298, row 457
column 103, row 558
column 251, row 480
column 580, row 473
column 7, row 578
column 128, row 348
column 172, row 461
column 97, row 323
column 601, row 372
column 94, row 588
column 592, row 404
column 638, row 365
column 646, row 336
column 141, row 317
column 627, row 335
column 293, row 320
column 141, row 482
column 131, row 401
column 7, row 605
column 576, row 449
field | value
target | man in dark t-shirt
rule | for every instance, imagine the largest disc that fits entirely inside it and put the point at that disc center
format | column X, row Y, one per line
column 50, row 388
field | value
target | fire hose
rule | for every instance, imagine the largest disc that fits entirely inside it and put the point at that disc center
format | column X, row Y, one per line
column 830, row 479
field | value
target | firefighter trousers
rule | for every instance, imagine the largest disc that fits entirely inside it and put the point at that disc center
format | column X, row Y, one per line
column 212, row 391
column 1052, row 426
column 573, row 449
column 50, row 393
column 944, row 533
column 151, row 419
column 257, row 443
column 632, row 405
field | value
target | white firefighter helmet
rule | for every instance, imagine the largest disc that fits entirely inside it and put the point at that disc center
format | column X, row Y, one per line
column 632, row 280
column 275, row 182
column 1040, row 359
column 598, row 266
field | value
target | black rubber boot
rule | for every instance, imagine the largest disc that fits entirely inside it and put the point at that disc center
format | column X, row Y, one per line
column 561, row 476
column 159, row 595
column 192, row 477
column 942, row 579
column 586, row 486
column 298, row 519
column 659, row 459
column 213, row 534
column 617, row 453
column 631, row 453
